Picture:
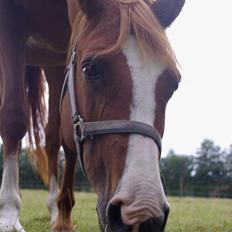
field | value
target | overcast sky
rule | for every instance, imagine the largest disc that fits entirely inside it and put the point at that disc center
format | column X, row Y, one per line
column 202, row 106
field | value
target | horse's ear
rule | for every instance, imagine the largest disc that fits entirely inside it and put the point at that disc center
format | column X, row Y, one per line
column 91, row 7
column 166, row 11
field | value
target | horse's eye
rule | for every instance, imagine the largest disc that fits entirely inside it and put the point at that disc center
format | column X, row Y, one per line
column 92, row 69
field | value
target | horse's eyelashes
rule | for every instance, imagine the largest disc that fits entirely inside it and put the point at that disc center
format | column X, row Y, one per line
column 92, row 69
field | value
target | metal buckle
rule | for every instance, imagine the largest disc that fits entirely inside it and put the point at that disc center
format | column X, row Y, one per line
column 79, row 152
column 79, row 137
column 77, row 142
column 106, row 228
column 78, row 127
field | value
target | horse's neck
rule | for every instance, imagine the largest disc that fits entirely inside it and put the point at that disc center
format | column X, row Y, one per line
column 50, row 19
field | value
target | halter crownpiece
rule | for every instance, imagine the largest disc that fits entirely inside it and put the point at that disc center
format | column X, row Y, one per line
column 88, row 130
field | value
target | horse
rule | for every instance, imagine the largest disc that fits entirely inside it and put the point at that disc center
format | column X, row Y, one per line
column 121, row 73
column 30, row 39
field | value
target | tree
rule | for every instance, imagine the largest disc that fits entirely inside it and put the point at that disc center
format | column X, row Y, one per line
column 228, row 163
column 210, row 169
column 176, row 171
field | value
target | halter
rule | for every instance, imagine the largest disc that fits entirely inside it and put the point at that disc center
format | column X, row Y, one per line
column 88, row 130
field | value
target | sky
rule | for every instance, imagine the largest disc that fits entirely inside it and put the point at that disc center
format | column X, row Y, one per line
column 202, row 106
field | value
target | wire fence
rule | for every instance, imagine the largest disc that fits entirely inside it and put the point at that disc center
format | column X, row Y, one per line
column 207, row 191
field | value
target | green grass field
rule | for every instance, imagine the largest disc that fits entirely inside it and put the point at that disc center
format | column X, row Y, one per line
column 187, row 214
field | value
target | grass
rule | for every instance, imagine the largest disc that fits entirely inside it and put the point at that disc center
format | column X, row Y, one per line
column 200, row 215
column 187, row 214
column 35, row 218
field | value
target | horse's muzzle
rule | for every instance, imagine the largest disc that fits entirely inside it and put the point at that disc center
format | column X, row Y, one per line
column 115, row 223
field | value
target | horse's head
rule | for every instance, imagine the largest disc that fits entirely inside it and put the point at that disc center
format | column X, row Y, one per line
column 125, row 70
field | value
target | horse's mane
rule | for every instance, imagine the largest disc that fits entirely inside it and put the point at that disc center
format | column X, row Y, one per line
column 137, row 18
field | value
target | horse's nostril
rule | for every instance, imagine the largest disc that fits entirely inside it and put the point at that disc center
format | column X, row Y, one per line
column 114, row 215
column 115, row 223
column 155, row 224
column 166, row 213
column 152, row 225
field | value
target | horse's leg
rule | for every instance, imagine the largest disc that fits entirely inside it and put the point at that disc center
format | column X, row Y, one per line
column 55, row 77
column 13, row 126
column 65, row 200
column 10, row 201
column 13, row 112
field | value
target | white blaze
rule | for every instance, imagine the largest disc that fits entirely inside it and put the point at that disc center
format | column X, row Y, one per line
column 141, row 179
column 144, row 78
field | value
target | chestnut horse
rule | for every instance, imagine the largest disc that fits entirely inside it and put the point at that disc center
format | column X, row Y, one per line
column 33, row 34
column 121, row 74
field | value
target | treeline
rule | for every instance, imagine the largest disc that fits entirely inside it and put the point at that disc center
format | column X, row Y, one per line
column 27, row 176
column 206, row 173
column 29, row 179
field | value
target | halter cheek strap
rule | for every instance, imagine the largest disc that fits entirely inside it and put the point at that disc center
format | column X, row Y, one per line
column 88, row 130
